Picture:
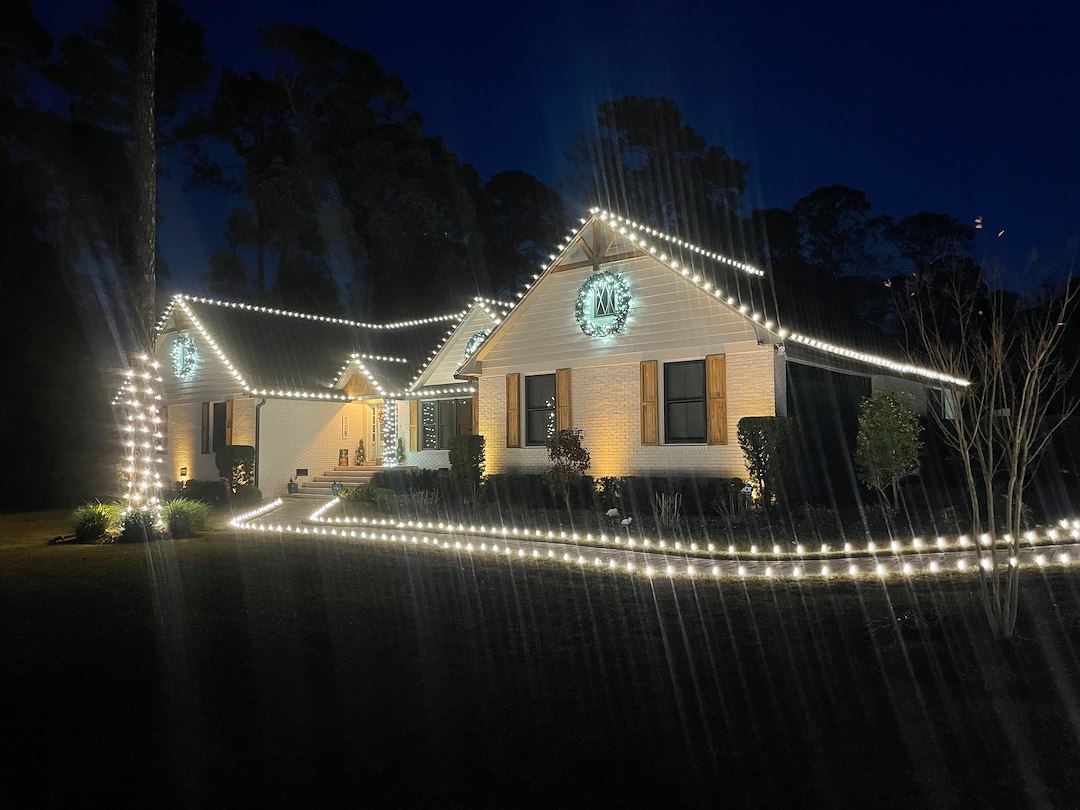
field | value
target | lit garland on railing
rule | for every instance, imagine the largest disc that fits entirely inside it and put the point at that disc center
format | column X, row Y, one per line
column 142, row 436
column 649, row 563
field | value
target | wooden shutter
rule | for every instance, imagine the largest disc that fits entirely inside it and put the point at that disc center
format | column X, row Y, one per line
column 414, row 424
column 650, row 411
column 228, row 421
column 513, row 410
column 476, row 414
column 206, row 427
column 563, row 417
column 716, row 394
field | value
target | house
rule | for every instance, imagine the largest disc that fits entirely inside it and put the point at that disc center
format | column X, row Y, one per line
column 298, row 387
column 653, row 347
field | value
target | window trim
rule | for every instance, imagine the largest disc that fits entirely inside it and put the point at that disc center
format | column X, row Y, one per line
column 704, row 400
column 553, row 409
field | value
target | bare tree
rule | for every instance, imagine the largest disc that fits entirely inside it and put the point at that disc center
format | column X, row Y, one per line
column 1000, row 419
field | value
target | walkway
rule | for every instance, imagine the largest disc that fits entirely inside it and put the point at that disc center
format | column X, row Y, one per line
column 302, row 516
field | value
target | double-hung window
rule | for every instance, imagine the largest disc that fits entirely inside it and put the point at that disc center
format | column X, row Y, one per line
column 684, row 402
column 442, row 419
column 539, row 408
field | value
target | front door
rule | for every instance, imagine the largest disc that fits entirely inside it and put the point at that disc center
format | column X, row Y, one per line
column 375, row 440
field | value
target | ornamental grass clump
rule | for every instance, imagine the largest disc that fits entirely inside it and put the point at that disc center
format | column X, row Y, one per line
column 92, row 521
column 184, row 517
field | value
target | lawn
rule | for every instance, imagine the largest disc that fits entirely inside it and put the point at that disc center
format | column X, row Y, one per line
column 247, row 669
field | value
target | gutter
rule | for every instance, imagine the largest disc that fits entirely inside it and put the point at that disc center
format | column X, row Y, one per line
column 257, row 415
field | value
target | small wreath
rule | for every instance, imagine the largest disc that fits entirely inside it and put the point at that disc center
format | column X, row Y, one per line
column 184, row 356
column 474, row 342
column 603, row 304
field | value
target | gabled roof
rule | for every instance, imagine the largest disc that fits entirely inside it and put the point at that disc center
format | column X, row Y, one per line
column 275, row 352
column 463, row 341
column 728, row 282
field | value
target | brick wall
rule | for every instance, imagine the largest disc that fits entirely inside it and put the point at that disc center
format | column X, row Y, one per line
column 296, row 434
column 605, row 403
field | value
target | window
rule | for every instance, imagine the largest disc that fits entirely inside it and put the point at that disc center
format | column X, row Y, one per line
column 221, row 410
column 539, row 408
column 442, row 419
column 684, row 402
column 205, row 433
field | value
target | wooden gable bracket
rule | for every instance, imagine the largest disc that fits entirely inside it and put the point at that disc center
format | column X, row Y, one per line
column 597, row 253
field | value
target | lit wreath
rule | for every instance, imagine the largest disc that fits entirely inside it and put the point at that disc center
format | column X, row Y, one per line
column 597, row 284
column 474, row 342
column 184, row 356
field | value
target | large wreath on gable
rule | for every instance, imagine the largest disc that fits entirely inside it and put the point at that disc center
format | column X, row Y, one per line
column 184, row 356
column 603, row 304
column 474, row 342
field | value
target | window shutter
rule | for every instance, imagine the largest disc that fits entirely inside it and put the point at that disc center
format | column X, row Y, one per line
column 414, row 424
column 716, row 393
column 650, row 413
column 228, row 421
column 513, row 410
column 563, row 419
column 476, row 414
column 206, row 427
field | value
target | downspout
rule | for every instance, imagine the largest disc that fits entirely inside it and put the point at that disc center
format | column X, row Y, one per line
column 257, row 416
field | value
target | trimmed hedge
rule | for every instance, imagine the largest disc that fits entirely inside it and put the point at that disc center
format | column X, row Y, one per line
column 213, row 493
column 139, row 527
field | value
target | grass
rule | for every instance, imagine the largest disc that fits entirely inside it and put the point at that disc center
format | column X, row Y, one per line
column 246, row 669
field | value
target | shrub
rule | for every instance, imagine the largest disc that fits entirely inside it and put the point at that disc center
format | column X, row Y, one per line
column 183, row 516
column 236, row 464
column 467, row 463
column 730, row 504
column 213, row 493
column 403, row 482
column 370, row 497
column 668, row 507
column 819, row 522
column 612, row 490
column 887, row 447
column 245, row 495
column 569, row 459
column 92, row 520
column 769, row 444
column 139, row 527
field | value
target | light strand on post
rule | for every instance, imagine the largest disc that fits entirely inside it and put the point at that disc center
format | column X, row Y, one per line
column 142, row 436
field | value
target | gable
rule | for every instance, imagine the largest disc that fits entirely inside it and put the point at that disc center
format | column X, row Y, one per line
column 669, row 317
column 447, row 358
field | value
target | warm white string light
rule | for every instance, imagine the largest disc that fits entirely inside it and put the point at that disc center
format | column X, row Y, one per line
column 641, row 563
column 142, row 436
column 307, row 316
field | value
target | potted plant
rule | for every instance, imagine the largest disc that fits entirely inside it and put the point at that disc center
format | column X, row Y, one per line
column 335, row 488
column 294, row 487
column 399, row 456
column 361, row 454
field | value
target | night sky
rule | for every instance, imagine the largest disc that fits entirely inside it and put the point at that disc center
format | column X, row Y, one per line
column 965, row 108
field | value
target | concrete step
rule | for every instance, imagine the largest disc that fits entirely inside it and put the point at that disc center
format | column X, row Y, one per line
column 344, row 478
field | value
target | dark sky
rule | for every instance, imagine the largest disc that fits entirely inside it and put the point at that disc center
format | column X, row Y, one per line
column 968, row 108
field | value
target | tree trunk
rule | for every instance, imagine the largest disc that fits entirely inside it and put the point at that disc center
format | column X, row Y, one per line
column 144, row 165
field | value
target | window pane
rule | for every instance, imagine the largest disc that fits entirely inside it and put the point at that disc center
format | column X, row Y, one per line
column 464, row 417
column 539, row 390
column 684, row 401
column 429, row 425
column 540, row 424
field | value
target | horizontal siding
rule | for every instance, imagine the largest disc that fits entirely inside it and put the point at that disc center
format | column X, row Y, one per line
column 669, row 317
column 211, row 380
column 452, row 353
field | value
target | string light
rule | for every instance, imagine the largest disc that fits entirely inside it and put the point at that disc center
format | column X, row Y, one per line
column 142, row 437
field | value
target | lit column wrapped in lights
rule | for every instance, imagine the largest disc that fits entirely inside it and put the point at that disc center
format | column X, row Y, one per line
column 142, row 436
column 389, row 433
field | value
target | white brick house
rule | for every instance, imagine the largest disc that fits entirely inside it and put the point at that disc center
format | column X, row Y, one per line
column 652, row 347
